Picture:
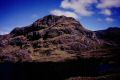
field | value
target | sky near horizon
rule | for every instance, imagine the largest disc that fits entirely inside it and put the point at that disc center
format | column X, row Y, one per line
column 92, row 14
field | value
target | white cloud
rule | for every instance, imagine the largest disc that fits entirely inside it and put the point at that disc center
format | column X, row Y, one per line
column 65, row 13
column 108, row 3
column 108, row 19
column 2, row 32
column 85, row 7
column 81, row 7
column 106, row 12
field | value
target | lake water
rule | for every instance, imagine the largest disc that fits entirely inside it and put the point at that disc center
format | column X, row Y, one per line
column 54, row 70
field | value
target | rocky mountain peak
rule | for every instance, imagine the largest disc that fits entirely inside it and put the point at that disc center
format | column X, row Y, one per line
column 51, row 20
column 49, row 35
column 59, row 23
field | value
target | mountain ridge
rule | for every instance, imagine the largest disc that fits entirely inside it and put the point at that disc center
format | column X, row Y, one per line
column 51, row 38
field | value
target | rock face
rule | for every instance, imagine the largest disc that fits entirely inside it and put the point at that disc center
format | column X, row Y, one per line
column 50, row 38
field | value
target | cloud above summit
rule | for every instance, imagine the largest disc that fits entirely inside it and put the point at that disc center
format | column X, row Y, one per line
column 108, row 3
column 81, row 7
column 65, row 13
column 76, row 8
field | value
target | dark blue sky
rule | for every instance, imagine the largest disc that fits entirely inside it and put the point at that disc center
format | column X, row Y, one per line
column 18, row 13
